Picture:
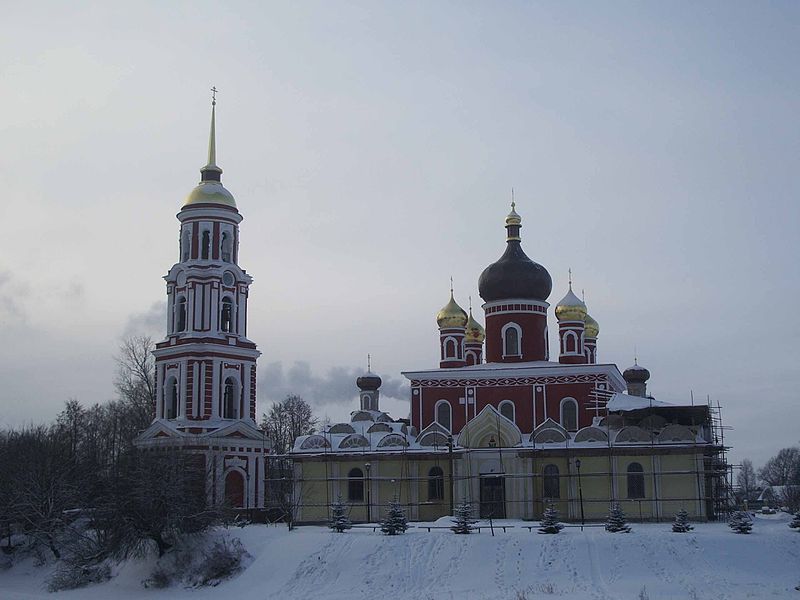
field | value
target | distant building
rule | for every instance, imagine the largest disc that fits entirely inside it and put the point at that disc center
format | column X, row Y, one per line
column 509, row 430
column 206, row 365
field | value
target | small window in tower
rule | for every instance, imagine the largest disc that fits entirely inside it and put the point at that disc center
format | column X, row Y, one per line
column 229, row 399
column 226, row 247
column 450, row 348
column 206, row 245
column 570, row 342
column 171, row 399
column 511, row 341
column 186, row 246
column 226, row 315
column 180, row 317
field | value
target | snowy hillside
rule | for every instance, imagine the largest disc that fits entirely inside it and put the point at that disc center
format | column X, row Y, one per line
column 709, row 563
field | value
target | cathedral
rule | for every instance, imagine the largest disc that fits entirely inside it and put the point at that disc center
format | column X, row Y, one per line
column 499, row 423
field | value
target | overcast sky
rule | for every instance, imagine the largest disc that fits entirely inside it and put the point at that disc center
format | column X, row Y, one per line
column 371, row 148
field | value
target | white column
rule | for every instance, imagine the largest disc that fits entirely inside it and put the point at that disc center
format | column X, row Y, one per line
column 260, row 482
column 245, row 414
column 160, row 392
column 251, row 479
column 190, row 300
column 215, row 389
column 170, row 308
column 195, row 388
column 183, row 370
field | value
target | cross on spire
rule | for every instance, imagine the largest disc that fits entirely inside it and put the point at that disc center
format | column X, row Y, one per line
column 513, row 203
column 213, row 95
column 570, row 277
column 369, row 364
column 451, row 285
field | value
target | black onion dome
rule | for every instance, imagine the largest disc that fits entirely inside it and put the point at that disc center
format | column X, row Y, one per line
column 515, row 276
column 636, row 374
column 369, row 382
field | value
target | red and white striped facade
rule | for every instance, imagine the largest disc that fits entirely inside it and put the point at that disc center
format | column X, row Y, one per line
column 206, row 365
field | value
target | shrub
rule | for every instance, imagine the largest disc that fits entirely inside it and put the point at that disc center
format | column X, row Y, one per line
column 220, row 562
column 681, row 523
column 69, row 576
column 615, row 523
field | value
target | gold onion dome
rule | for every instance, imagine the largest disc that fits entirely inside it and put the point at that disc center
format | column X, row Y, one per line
column 211, row 190
column 452, row 315
column 570, row 308
column 591, row 327
column 475, row 331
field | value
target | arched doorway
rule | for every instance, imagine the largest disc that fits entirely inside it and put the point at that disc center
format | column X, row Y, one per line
column 234, row 489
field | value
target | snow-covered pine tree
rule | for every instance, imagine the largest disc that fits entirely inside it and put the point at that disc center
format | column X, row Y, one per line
column 740, row 522
column 681, row 523
column 795, row 524
column 463, row 521
column 395, row 520
column 549, row 522
column 615, row 523
column 340, row 521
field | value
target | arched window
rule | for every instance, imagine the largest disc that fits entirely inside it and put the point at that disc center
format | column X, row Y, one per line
column 226, row 246
column 226, row 315
column 511, row 340
column 471, row 358
column 180, row 316
column 570, row 342
column 436, row 484
column 206, row 244
column 171, row 399
column 186, row 246
column 444, row 414
column 552, row 489
column 635, row 481
column 229, row 400
column 450, row 348
column 569, row 414
column 507, row 409
column 355, row 485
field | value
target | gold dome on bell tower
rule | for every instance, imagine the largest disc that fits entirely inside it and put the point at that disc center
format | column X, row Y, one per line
column 451, row 315
column 475, row 331
column 570, row 307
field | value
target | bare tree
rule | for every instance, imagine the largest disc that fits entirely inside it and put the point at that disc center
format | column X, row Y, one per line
column 287, row 420
column 135, row 381
column 746, row 479
column 783, row 468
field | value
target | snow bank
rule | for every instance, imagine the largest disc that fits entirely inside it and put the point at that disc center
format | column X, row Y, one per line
column 711, row 562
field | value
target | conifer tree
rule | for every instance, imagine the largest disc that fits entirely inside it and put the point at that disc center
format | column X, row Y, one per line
column 795, row 524
column 395, row 520
column 740, row 522
column 549, row 522
column 463, row 521
column 340, row 521
column 615, row 523
column 681, row 523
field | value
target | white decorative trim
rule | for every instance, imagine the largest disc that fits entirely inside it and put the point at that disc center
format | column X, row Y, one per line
column 236, row 462
column 449, row 428
column 503, row 331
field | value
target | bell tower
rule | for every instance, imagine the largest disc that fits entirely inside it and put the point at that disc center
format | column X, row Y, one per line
column 206, row 364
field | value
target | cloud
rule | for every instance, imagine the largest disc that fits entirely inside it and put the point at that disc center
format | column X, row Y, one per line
column 11, row 290
column 151, row 322
column 336, row 387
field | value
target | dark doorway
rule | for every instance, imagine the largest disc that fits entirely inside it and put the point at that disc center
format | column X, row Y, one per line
column 234, row 489
column 493, row 498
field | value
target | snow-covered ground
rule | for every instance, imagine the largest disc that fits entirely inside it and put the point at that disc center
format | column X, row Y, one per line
column 311, row 562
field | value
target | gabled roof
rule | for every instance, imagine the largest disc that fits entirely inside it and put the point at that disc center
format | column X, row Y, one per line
column 490, row 424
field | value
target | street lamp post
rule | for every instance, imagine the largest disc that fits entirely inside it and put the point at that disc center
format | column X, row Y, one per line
column 368, row 466
column 580, row 490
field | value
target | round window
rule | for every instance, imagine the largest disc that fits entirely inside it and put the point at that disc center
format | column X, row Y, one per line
column 227, row 278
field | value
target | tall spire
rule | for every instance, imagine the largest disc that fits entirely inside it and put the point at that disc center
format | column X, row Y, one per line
column 211, row 172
